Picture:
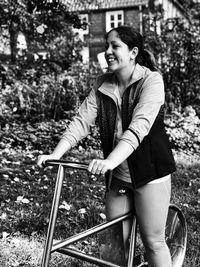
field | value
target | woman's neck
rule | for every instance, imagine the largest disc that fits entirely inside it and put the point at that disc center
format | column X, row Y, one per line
column 124, row 79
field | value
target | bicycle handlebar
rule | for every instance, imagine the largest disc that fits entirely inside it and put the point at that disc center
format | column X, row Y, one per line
column 65, row 163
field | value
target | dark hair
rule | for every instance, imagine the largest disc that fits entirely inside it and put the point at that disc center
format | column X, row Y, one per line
column 133, row 38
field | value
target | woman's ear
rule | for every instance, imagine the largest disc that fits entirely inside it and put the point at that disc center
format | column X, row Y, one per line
column 134, row 52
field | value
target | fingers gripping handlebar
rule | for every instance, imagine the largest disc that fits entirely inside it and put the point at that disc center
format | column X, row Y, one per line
column 67, row 164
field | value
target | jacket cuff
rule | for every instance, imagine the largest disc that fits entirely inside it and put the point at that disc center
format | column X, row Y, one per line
column 131, row 138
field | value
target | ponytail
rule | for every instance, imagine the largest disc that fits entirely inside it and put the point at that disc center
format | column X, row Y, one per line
column 147, row 59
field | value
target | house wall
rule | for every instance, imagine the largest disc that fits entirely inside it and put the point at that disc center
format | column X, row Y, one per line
column 132, row 18
column 170, row 10
column 97, row 23
column 96, row 34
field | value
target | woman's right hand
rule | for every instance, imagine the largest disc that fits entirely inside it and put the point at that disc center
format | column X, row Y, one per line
column 62, row 147
column 43, row 158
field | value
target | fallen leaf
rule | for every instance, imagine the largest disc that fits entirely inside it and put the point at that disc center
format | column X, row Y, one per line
column 65, row 206
column 103, row 216
column 22, row 200
column 25, row 201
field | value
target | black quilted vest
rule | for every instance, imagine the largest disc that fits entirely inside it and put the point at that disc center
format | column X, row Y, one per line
column 153, row 158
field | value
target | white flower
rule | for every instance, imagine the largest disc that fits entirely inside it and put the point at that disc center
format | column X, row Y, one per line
column 82, row 211
column 3, row 216
column 5, row 234
column 40, row 29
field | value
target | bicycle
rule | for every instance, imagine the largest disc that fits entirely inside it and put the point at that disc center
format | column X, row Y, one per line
column 176, row 230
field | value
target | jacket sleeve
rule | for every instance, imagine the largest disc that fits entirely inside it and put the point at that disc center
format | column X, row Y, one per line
column 151, row 98
column 80, row 125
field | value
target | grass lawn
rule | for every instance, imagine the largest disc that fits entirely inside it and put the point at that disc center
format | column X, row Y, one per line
column 26, row 194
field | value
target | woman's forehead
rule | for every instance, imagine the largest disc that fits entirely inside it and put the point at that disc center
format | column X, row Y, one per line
column 113, row 35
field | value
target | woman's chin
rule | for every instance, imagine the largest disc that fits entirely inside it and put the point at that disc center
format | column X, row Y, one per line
column 111, row 68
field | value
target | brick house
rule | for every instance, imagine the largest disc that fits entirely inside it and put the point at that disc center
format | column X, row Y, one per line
column 105, row 15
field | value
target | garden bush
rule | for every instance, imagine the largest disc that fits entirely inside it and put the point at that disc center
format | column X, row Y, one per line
column 38, row 96
column 177, row 52
column 43, row 90
column 42, row 136
column 184, row 130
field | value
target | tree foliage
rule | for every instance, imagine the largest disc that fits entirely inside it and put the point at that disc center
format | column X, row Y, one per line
column 52, row 88
column 29, row 86
column 177, row 49
column 41, row 22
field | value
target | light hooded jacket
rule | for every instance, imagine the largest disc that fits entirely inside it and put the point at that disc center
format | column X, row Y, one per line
column 142, row 118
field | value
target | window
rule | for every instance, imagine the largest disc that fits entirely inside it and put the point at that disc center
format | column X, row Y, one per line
column 114, row 19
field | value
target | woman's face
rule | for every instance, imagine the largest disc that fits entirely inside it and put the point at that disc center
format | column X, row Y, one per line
column 117, row 54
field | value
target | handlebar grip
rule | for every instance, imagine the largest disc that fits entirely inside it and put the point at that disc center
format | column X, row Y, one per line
column 67, row 164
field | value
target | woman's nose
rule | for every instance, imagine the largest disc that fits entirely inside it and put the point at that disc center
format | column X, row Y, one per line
column 108, row 50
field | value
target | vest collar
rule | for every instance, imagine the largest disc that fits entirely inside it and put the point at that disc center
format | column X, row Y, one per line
column 110, row 83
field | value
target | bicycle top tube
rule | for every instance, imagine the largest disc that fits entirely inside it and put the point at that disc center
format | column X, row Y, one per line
column 67, row 164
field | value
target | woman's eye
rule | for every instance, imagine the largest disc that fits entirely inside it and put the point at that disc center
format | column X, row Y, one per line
column 113, row 46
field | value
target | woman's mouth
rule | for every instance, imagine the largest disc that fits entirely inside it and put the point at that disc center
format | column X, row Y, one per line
column 110, row 60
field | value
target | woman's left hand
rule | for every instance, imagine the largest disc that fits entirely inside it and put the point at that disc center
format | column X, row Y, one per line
column 99, row 166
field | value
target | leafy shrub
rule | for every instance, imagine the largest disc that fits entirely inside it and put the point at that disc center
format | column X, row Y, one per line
column 41, row 96
column 42, row 136
column 46, row 91
column 177, row 52
column 184, row 130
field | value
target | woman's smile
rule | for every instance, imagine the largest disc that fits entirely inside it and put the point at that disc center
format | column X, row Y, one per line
column 111, row 60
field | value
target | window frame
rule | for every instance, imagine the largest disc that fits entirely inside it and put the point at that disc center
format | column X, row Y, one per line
column 116, row 20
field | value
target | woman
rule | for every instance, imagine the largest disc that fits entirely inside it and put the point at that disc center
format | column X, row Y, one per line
column 128, row 103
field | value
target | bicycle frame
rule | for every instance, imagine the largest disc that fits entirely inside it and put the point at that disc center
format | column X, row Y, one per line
column 59, row 246
column 177, row 218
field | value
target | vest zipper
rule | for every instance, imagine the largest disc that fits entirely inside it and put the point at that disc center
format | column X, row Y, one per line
column 113, row 144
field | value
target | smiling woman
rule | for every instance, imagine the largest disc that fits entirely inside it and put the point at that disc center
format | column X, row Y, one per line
column 127, row 102
column 119, row 57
